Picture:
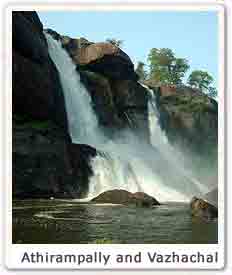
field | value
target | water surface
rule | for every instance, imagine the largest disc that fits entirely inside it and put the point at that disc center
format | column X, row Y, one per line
column 53, row 221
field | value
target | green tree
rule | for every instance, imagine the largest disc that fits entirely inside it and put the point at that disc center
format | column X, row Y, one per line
column 141, row 71
column 200, row 80
column 115, row 42
column 165, row 67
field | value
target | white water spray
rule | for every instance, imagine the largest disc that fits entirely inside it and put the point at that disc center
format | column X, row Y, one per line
column 127, row 163
column 159, row 139
column 83, row 124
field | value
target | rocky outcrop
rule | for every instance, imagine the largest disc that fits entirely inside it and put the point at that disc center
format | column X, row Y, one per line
column 108, row 73
column 124, row 197
column 103, row 102
column 46, row 165
column 37, row 92
column 104, row 58
column 189, row 118
column 108, row 60
column 203, row 209
column 45, row 162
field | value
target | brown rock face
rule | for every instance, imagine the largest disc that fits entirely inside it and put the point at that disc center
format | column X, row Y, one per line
column 104, row 58
column 108, row 60
column 119, row 196
column 202, row 209
column 97, row 51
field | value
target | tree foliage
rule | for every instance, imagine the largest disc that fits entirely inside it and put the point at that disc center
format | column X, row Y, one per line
column 165, row 67
column 115, row 42
column 202, row 80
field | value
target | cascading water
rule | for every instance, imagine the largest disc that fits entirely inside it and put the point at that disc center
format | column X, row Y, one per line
column 121, row 165
column 159, row 139
column 83, row 124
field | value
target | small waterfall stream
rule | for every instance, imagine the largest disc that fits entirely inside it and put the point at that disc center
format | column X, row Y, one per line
column 121, row 165
column 159, row 139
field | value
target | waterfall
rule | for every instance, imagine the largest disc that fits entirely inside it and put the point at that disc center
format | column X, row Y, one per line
column 82, row 121
column 126, row 162
column 159, row 139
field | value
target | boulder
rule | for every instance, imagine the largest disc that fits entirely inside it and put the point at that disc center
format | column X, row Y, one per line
column 212, row 197
column 119, row 196
column 203, row 209
column 108, row 60
column 143, row 199
column 104, row 58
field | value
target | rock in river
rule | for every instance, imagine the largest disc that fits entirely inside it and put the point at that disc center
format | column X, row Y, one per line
column 202, row 209
column 119, row 196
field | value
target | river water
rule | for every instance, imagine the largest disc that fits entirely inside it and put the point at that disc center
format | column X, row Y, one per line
column 65, row 222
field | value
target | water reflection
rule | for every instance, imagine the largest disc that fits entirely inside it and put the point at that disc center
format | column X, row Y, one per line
column 60, row 222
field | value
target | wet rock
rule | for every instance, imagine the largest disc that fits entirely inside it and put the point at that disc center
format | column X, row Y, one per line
column 119, row 196
column 143, row 199
column 46, row 164
column 102, row 97
column 212, row 197
column 189, row 119
column 37, row 91
column 27, row 35
column 118, row 104
column 108, row 73
column 203, row 209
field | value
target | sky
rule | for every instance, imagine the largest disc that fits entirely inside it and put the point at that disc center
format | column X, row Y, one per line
column 190, row 34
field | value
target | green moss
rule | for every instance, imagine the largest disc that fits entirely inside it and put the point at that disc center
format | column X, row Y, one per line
column 26, row 121
column 39, row 125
